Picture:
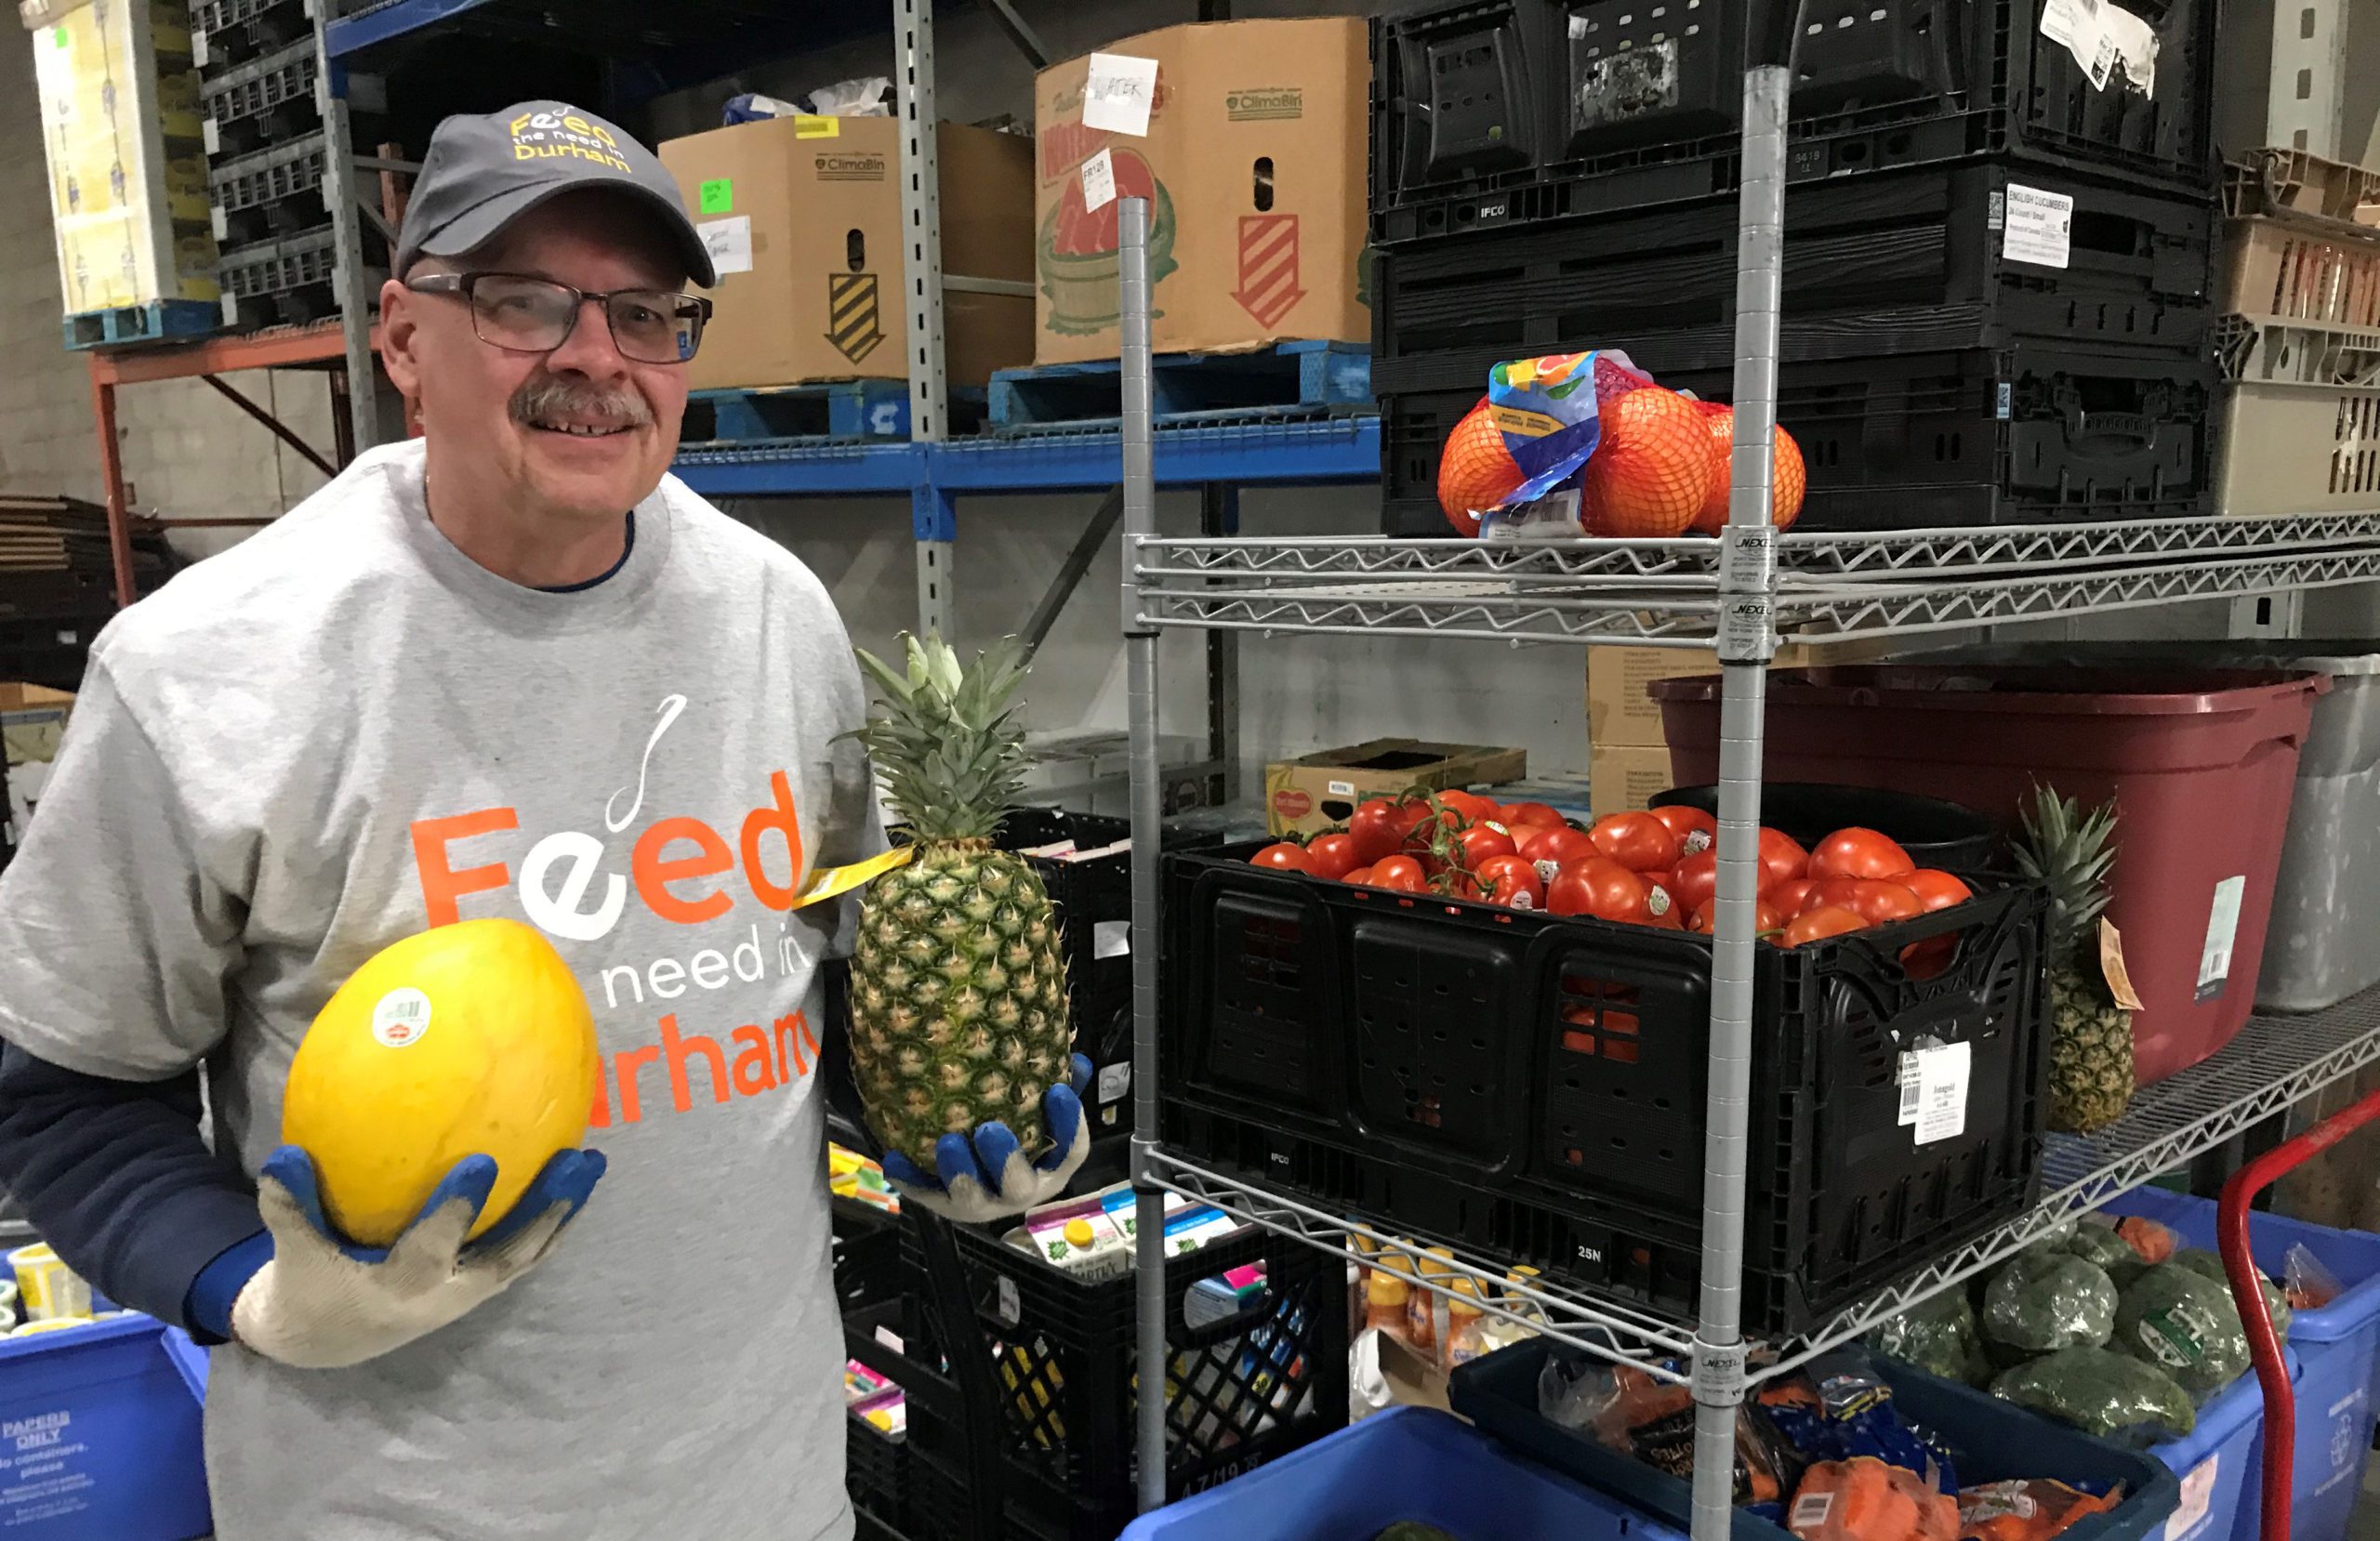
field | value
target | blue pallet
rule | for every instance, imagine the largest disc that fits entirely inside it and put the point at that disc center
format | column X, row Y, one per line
column 159, row 321
column 1289, row 377
column 822, row 411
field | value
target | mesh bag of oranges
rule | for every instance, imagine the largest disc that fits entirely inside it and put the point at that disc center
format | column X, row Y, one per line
column 1587, row 442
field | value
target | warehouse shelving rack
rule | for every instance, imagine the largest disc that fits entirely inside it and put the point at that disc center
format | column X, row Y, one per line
column 1739, row 596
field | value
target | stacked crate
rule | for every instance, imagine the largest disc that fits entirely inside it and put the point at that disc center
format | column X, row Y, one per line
column 2300, row 341
column 2000, row 238
column 267, row 162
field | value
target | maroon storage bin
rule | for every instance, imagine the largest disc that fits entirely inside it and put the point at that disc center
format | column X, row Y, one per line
column 2202, row 764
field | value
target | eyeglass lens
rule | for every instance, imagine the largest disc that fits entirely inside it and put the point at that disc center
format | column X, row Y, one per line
column 533, row 316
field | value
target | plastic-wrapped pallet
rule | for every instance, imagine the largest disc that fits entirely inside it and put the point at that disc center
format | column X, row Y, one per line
column 121, row 131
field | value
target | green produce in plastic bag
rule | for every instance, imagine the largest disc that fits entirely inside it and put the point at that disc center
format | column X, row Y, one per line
column 2038, row 1306
column 2103, row 1392
column 2198, row 1259
column 2100, row 1244
column 2185, row 1324
column 1938, row 1336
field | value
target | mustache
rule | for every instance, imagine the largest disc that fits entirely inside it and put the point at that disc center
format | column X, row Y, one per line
column 551, row 396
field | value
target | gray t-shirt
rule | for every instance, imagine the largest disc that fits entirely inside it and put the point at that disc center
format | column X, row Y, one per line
column 343, row 730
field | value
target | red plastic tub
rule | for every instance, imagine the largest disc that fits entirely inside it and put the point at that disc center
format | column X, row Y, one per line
column 2201, row 763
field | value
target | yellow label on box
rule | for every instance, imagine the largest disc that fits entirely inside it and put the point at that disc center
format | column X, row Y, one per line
column 807, row 126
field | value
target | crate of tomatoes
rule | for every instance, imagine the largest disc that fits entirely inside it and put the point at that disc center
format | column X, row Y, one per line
column 1492, row 1025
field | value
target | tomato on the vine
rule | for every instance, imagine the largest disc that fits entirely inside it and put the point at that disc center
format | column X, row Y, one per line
column 1695, row 829
column 1511, row 882
column 1334, row 856
column 1815, row 925
column 1856, row 852
column 1781, row 858
column 1598, row 887
column 1470, row 805
column 1400, row 872
column 1478, row 843
column 1358, row 878
column 1695, row 880
column 1381, row 825
column 1528, row 813
column 1558, row 847
column 1286, row 855
column 1455, row 883
column 1638, row 841
column 1934, row 888
column 1524, row 832
column 1661, row 908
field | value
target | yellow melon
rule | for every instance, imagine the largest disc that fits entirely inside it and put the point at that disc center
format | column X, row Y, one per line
column 473, row 1038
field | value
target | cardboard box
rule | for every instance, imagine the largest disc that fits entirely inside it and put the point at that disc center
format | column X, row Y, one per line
column 1254, row 165
column 33, row 722
column 804, row 216
column 123, row 138
column 1619, row 712
column 1628, row 776
column 1314, row 792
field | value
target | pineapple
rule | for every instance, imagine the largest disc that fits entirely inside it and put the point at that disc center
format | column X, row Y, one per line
column 959, row 983
column 2090, row 1046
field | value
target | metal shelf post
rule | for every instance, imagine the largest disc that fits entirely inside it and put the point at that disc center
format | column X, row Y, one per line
column 1140, row 649
column 931, row 522
column 341, row 191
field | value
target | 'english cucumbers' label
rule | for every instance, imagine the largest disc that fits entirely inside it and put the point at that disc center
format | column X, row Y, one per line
column 401, row 1018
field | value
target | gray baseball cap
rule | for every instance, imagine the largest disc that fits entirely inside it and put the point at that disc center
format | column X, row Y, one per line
column 482, row 172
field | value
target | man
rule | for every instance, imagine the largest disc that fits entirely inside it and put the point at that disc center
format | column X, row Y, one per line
column 510, row 669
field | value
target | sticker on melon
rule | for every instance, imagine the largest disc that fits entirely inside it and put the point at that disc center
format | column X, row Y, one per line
column 1078, row 250
column 386, row 1107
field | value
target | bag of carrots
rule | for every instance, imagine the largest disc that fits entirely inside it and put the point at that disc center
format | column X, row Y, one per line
column 2027, row 1510
column 1863, row 1499
column 1652, row 1419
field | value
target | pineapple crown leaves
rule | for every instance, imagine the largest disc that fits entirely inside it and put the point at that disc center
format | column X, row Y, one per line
column 944, row 740
column 2072, row 856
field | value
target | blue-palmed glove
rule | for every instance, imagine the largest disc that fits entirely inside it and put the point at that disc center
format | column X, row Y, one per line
column 324, row 1303
column 985, row 1175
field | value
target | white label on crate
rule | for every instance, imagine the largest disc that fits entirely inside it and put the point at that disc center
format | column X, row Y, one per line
column 1996, row 212
column 2135, row 42
column 2041, row 227
column 401, row 1018
column 1115, row 1081
column 729, row 242
column 1119, row 93
column 2198, row 1496
column 1342, row 789
column 1934, row 1091
column 2078, row 24
column 1012, row 1308
column 199, row 53
column 1098, row 182
column 2221, row 931
column 1111, row 939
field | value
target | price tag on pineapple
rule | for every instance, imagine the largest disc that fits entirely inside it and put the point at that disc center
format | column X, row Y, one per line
column 827, row 882
column 2111, row 964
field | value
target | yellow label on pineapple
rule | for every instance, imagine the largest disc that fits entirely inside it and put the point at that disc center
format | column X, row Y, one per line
column 827, row 882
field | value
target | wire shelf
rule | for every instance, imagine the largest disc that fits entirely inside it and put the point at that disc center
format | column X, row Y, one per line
column 2274, row 1063
column 1666, row 593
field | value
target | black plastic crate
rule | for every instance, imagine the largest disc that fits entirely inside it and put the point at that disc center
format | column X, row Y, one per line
column 1533, row 1086
column 227, row 33
column 275, row 191
column 287, row 281
column 1913, row 262
column 266, row 101
column 1648, row 102
column 1243, row 1388
column 878, row 1473
column 2032, row 433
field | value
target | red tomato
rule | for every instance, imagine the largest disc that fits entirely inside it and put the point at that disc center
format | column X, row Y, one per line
column 1400, row 872
column 1814, row 925
column 1558, row 847
column 1524, row 832
column 1477, row 844
column 1879, row 900
column 1511, row 882
column 1528, row 813
column 1638, row 841
column 1332, row 856
column 1839, row 893
column 1766, row 919
column 1695, row 829
column 1470, row 805
column 1357, row 878
column 1934, row 888
column 1661, row 908
column 1695, row 881
column 1599, row 887
column 1790, row 895
column 1856, row 852
column 1284, row 855
column 1782, row 857
column 1379, row 826
column 1456, row 884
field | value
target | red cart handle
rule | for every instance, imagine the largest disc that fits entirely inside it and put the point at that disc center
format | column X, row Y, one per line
column 2247, row 1290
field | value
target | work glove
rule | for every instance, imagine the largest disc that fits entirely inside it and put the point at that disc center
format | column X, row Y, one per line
column 985, row 1175
column 323, row 1303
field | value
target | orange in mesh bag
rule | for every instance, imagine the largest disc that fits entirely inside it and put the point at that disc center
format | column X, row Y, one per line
column 1476, row 471
column 1864, row 1499
column 2026, row 1510
column 1651, row 474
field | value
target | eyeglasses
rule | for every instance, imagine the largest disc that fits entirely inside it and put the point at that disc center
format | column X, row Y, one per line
column 537, row 315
